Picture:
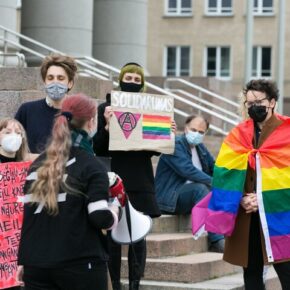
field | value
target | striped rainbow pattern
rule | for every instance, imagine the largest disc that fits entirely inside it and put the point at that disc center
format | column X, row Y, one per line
column 228, row 183
column 274, row 191
column 156, row 127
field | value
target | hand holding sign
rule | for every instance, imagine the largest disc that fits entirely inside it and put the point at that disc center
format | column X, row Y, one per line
column 141, row 122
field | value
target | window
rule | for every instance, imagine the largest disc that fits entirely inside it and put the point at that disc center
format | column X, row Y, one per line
column 177, row 61
column 219, row 7
column 179, row 7
column 218, row 62
column 261, row 64
column 263, row 7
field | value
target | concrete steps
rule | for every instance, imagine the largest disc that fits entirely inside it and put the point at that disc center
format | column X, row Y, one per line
column 174, row 244
column 188, row 268
column 175, row 261
column 229, row 282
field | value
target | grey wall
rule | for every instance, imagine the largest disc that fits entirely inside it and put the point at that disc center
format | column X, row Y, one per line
column 120, row 31
column 8, row 18
column 65, row 25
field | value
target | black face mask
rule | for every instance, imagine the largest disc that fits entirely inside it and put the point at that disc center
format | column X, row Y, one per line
column 130, row 87
column 258, row 113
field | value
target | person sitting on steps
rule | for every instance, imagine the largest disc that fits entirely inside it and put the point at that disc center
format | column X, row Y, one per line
column 184, row 178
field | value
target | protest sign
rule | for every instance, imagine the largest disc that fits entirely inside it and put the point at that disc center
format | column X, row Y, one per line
column 12, row 178
column 141, row 122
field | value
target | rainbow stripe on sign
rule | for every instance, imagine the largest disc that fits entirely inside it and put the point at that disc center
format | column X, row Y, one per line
column 156, row 127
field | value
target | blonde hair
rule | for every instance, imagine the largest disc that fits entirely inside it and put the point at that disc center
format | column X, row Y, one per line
column 50, row 174
column 23, row 151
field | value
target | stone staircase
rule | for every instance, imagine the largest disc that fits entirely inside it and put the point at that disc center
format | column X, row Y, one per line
column 175, row 261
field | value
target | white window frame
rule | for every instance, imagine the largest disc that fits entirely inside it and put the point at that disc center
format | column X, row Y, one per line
column 218, row 10
column 259, row 63
column 259, row 10
column 218, row 62
column 179, row 10
column 178, row 60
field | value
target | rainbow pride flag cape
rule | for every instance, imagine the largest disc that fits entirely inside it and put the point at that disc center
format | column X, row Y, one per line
column 156, row 127
column 272, row 163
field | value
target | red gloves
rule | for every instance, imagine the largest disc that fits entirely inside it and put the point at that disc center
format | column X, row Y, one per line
column 117, row 188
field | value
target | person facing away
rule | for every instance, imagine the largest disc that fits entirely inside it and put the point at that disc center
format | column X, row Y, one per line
column 184, row 178
column 13, row 147
column 135, row 169
column 246, row 246
column 58, row 74
column 66, row 207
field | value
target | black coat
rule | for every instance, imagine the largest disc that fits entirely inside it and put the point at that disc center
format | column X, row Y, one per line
column 134, row 167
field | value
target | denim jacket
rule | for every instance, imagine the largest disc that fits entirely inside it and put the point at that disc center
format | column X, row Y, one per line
column 174, row 170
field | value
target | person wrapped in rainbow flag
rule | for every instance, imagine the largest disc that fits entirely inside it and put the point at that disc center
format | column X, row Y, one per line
column 250, row 200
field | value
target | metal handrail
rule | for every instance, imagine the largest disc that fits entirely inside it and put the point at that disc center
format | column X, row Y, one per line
column 201, row 89
column 211, row 126
column 107, row 72
column 207, row 103
column 7, row 41
column 20, row 57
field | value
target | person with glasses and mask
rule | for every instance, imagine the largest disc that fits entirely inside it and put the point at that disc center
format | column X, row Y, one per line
column 184, row 178
column 135, row 169
column 58, row 74
column 251, row 189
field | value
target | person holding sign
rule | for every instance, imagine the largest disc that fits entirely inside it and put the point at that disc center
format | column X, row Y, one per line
column 13, row 148
column 135, row 169
column 66, row 207
column 58, row 73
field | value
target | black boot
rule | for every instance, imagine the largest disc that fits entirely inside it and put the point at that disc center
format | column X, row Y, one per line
column 134, row 285
column 116, row 285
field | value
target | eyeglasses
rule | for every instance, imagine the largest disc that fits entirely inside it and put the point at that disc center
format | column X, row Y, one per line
column 199, row 131
column 255, row 103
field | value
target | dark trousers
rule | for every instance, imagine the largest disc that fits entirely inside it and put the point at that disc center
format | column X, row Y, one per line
column 89, row 276
column 189, row 195
column 136, row 259
column 253, row 274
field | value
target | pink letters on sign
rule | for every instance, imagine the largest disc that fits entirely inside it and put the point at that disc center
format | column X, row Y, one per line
column 12, row 178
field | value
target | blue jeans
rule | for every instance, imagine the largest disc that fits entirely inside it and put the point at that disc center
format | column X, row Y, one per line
column 189, row 195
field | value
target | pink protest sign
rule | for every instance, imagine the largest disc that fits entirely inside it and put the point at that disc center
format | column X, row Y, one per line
column 12, row 178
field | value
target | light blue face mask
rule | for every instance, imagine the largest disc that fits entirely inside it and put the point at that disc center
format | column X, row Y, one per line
column 56, row 91
column 194, row 138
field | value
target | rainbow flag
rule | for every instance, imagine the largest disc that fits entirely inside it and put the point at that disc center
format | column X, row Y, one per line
column 156, row 127
column 272, row 164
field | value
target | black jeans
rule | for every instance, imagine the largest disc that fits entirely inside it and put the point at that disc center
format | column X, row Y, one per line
column 136, row 259
column 89, row 276
column 253, row 274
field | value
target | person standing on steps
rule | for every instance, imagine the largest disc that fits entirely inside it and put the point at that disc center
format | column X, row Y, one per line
column 58, row 74
column 66, row 207
column 251, row 189
column 135, row 169
column 13, row 148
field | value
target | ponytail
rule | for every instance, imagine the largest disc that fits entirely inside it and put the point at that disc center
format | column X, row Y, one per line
column 50, row 173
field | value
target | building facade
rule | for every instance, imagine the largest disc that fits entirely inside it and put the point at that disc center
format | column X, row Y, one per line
column 195, row 38
column 207, row 38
